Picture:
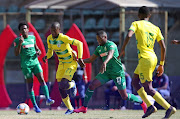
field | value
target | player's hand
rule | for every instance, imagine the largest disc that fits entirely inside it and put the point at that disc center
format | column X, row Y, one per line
column 44, row 59
column 122, row 53
column 38, row 52
column 81, row 62
column 21, row 39
column 175, row 42
column 160, row 70
column 103, row 68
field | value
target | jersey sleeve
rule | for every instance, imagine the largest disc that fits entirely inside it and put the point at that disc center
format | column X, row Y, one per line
column 16, row 42
column 96, row 52
column 159, row 36
column 72, row 41
column 111, row 46
column 133, row 27
column 49, row 53
column 67, row 39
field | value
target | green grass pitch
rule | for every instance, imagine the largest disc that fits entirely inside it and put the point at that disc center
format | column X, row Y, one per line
column 91, row 114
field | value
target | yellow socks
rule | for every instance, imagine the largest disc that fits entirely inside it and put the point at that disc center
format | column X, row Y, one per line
column 141, row 92
column 160, row 100
column 67, row 103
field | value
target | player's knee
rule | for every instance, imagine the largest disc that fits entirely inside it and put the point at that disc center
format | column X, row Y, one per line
column 63, row 85
column 92, row 87
column 124, row 97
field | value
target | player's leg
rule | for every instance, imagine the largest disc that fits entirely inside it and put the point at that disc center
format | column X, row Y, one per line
column 100, row 80
column 38, row 72
column 120, row 82
column 29, row 81
column 64, row 76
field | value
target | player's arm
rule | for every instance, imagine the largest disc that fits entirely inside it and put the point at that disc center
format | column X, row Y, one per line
column 18, row 48
column 79, row 45
column 49, row 53
column 128, row 37
column 91, row 59
column 175, row 41
column 38, row 51
column 160, row 69
column 109, row 56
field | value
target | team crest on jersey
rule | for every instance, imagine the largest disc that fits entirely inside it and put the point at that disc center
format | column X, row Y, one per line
column 105, row 48
column 59, row 45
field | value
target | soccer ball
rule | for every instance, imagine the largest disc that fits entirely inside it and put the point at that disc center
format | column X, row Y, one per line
column 22, row 108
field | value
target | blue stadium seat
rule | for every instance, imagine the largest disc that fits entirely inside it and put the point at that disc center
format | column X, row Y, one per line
column 37, row 10
column 42, row 36
column 66, row 24
column 2, row 9
column 98, row 12
column 14, row 24
column 103, row 23
column 78, row 22
column 90, row 37
column 13, row 8
column 22, row 10
column 40, row 24
column 114, row 23
column 91, row 49
column 90, row 23
column 115, row 37
column 2, row 25
column 87, row 12
column 50, row 10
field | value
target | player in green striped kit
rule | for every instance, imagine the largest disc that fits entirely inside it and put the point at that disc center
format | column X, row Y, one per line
column 111, row 69
column 26, row 47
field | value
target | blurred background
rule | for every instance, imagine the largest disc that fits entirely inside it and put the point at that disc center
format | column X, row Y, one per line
column 113, row 16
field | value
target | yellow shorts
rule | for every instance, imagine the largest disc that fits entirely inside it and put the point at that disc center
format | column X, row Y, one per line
column 145, row 68
column 66, row 70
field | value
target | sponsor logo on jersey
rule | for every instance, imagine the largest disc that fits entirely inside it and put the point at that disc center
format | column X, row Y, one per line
column 104, row 54
column 28, row 46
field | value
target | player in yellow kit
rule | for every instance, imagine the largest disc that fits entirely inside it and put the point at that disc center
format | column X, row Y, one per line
column 60, row 44
column 146, row 34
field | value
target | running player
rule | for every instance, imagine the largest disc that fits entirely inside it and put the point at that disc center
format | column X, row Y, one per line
column 111, row 69
column 146, row 34
column 60, row 44
column 26, row 47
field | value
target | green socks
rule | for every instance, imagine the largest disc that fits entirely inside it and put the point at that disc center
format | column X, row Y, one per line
column 87, row 97
column 32, row 97
column 133, row 98
column 46, row 91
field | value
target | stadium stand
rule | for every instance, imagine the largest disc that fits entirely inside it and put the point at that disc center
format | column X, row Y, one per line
column 103, row 23
column 40, row 24
column 13, row 8
column 90, row 23
column 114, row 23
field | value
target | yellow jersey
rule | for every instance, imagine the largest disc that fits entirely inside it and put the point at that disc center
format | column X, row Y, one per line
column 146, row 34
column 61, row 46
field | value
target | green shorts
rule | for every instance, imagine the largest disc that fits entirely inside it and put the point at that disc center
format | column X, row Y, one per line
column 30, row 70
column 119, row 80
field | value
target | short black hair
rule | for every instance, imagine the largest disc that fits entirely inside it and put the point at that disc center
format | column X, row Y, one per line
column 101, row 33
column 55, row 25
column 144, row 10
column 21, row 24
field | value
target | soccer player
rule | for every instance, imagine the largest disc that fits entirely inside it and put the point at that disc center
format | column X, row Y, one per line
column 60, row 44
column 111, row 69
column 146, row 34
column 26, row 47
